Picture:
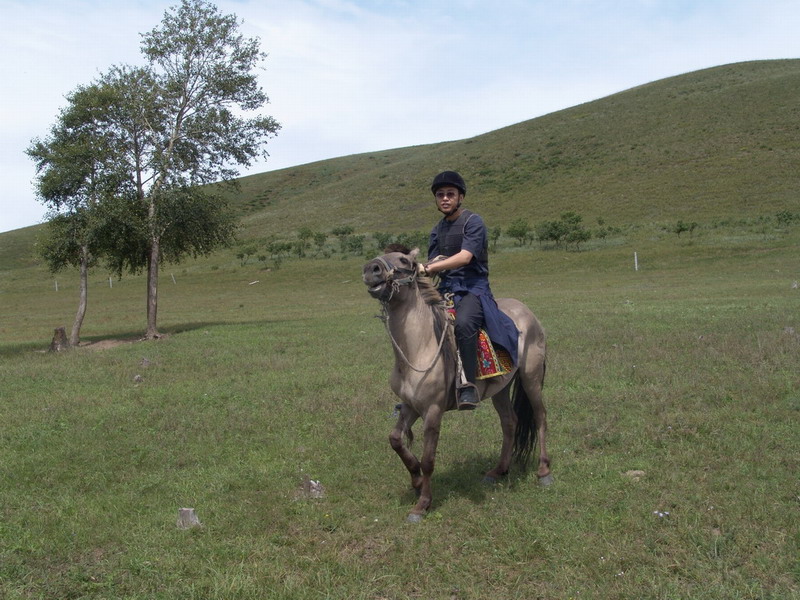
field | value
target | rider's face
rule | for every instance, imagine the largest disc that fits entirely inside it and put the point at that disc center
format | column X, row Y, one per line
column 448, row 199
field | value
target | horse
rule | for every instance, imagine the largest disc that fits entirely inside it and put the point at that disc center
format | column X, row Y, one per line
column 426, row 370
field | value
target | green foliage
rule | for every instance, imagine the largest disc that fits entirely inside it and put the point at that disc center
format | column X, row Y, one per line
column 414, row 239
column 382, row 240
column 568, row 229
column 786, row 217
column 320, row 237
column 682, row 227
column 494, row 237
column 342, row 231
column 520, row 230
column 244, row 253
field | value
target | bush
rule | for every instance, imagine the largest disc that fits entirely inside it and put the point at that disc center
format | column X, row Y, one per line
column 520, row 231
column 786, row 217
column 567, row 229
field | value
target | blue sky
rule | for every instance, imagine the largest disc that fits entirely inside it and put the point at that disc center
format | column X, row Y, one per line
column 347, row 76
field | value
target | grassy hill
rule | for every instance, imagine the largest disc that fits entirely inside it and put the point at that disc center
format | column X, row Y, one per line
column 714, row 144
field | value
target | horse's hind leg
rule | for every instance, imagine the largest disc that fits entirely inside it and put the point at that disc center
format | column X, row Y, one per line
column 402, row 429
column 508, row 423
column 533, row 388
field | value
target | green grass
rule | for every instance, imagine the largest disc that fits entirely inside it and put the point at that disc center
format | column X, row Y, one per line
column 686, row 370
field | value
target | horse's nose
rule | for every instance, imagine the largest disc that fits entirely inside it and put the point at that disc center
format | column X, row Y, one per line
column 372, row 270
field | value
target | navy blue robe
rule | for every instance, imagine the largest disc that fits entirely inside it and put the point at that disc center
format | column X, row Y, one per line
column 468, row 232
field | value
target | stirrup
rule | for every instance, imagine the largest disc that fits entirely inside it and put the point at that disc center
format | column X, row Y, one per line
column 467, row 398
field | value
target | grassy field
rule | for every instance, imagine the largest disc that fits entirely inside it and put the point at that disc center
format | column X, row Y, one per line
column 687, row 371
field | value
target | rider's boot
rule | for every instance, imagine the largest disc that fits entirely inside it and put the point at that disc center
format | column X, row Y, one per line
column 467, row 392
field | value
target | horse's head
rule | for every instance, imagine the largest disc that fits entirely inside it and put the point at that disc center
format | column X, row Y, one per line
column 384, row 274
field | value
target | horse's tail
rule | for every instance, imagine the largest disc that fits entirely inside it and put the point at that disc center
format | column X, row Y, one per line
column 525, row 433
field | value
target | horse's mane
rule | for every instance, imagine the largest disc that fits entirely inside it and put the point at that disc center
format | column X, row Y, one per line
column 428, row 291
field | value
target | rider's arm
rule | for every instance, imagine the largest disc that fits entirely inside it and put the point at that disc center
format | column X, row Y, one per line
column 459, row 259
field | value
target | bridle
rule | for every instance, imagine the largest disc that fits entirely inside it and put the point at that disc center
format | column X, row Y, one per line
column 395, row 284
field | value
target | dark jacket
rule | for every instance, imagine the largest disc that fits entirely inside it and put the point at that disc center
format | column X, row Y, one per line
column 468, row 232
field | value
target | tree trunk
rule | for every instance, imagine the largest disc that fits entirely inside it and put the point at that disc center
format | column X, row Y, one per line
column 152, row 288
column 75, row 335
column 59, row 342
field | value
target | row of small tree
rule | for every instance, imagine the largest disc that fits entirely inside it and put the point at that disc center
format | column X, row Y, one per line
column 271, row 252
column 567, row 230
column 125, row 168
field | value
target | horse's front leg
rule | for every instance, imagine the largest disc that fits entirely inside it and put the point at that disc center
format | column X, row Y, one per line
column 402, row 429
column 433, row 421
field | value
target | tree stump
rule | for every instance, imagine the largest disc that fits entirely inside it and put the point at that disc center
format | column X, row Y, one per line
column 187, row 518
column 59, row 342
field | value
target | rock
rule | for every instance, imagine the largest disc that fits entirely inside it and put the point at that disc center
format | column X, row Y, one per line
column 187, row 518
column 635, row 475
column 310, row 488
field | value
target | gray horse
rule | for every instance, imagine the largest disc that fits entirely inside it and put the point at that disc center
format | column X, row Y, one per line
column 425, row 372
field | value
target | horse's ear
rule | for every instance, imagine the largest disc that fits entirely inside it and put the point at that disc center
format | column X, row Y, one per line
column 413, row 254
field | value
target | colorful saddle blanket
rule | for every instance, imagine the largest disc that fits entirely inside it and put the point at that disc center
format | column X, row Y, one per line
column 491, row 361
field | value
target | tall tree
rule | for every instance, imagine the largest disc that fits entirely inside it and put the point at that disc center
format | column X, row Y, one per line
column 186, row 130
column 170, row 129
column 74, row 166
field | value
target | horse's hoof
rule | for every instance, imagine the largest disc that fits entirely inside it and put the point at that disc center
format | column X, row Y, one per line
column 414, row 518
column 489, row 480
column 547, row 480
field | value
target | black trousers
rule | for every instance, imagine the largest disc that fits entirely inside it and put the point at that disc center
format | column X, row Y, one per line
column 469, row 319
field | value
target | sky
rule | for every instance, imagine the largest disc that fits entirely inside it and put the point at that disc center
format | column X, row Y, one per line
column 352, row 76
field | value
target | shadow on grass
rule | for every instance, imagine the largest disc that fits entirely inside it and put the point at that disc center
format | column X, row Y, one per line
column 15, row 349
column 465, row 479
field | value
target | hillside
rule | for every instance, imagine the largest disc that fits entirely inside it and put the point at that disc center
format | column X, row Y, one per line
column 716, row 144
column 719, row 143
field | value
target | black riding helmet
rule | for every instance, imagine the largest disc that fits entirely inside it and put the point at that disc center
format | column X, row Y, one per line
column 449, row 178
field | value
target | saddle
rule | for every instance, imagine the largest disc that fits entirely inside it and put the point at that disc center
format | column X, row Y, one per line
column 492, row 361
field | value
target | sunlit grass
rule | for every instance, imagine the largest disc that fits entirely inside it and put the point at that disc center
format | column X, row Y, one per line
column 686, row 370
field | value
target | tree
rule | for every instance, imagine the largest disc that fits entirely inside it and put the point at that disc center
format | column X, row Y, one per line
column 74, row 166
column 551, row 231
column 201, row 69
column 519, row 230
column 304, row 235
column 494, row 236
column 680, row 227
column 176, row 127
column 567, row 229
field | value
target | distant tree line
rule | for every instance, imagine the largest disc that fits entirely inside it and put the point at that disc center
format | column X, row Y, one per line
column 566, row 231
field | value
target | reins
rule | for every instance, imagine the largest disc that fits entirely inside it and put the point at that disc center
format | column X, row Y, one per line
column 384, row 316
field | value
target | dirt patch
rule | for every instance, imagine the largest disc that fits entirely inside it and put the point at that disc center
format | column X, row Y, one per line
column 113, row 343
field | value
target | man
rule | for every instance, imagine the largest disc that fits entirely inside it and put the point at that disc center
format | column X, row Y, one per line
column 458, row 251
